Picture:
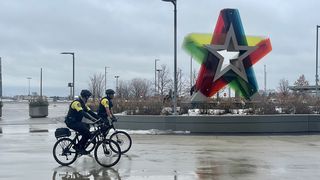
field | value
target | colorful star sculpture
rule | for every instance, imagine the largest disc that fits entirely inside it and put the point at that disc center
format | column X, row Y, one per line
column 208, row 50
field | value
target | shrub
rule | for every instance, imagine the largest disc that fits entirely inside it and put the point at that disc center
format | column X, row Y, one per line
column 93, row 104
column 38, row 101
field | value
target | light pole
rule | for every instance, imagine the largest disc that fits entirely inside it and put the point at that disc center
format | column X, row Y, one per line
column 105, row 77
column 191, row 83
column 117, row 77
column 159, row 70
column 174, row 2
column 317, row 76
column 180, row 81
column 155, row 76
column 41, row 82
column 265, row 79
column 73, row 71
column 70, row 86
column 29, row 85
column 0, row 78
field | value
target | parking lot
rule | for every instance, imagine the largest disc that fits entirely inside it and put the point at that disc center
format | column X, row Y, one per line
column 29, row 156
column 26, row 153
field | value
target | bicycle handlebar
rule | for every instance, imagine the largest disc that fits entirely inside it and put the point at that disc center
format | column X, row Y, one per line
column 101, row 121
column 95, row 122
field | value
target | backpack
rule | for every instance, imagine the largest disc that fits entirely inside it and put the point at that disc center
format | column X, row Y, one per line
column 62, row 132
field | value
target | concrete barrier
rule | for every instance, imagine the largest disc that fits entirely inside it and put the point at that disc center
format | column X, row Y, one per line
column 38, row 111
column 224, row 124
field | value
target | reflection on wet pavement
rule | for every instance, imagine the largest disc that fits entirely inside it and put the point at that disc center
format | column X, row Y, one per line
column 152, row 157
column 71, row 173
column 38, row 129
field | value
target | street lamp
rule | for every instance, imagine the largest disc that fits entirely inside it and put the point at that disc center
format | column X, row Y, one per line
column 159, row 70
column 317, row 76
column 105, row 76
column 70, row 86
column 174, row 2
column 191, row 82
column 41, row 82
column 0, row 79
column 117, row 77
column 155, row 76
column 73, row 70
column 29, row 85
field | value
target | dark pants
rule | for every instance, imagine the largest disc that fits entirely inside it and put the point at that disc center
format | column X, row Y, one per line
column 105, row 119
column 83, row 130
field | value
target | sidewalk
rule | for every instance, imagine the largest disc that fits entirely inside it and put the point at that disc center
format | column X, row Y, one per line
column 31, row 125
column 28, row 121
column 15, row 118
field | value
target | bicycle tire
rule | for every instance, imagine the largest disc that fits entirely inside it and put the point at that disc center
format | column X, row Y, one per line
column 104, row 155
column 66, row 150
column 123, row 139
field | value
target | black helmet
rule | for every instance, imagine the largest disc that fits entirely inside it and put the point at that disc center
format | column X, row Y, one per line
column 110, row 91
column 85, row 93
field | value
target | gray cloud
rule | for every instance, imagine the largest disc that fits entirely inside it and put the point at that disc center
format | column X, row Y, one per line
column 129, row 35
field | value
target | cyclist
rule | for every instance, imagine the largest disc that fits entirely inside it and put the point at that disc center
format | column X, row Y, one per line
column 77, row 110
column 105, row 106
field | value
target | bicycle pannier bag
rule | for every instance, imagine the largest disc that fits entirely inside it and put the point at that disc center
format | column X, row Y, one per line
column 62, row 132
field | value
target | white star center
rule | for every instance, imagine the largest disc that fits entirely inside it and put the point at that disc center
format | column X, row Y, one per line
column 228, row 56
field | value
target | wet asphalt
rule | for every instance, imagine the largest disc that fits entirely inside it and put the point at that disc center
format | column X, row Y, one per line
column 26, row 153
column 29, row 156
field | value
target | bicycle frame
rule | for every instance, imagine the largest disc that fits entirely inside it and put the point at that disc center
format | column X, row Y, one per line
column 111, row 126
column 96, row 134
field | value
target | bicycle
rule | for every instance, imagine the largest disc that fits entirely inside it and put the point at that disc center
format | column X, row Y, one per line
column 121, row 137
column 106, row 151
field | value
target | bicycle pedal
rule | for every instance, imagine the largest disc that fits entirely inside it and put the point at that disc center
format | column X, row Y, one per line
column 84, row 153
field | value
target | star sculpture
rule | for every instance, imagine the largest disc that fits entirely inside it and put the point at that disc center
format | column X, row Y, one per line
column 228, row 37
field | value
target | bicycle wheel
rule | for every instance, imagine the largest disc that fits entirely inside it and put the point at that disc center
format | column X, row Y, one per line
column 123, row 139
column 104, row 155
column 63, row 152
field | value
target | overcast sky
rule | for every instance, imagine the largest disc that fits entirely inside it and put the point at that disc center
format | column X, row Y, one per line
column 128, row 35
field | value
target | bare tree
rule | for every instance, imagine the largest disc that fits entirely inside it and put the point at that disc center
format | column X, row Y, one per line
column 284, row 87
column 182, row 84
column 164, row 80
column 96, row 85
column 193, row 79
column 284, row 96
column 301, row 97
column 301, row 81
column 183, row 87
column 194, row 76
column 140, row 87
column 123, row 89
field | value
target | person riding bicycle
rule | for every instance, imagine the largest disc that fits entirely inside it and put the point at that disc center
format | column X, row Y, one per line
column 77, row 110
column 105, row 106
